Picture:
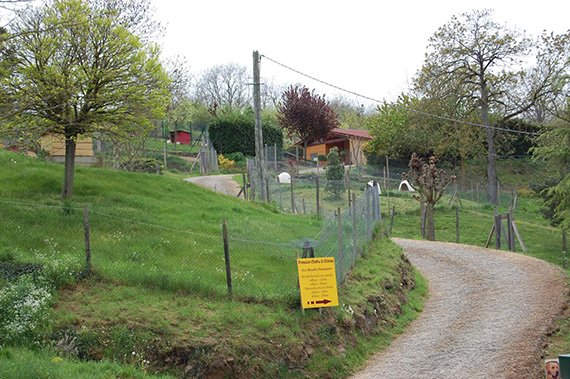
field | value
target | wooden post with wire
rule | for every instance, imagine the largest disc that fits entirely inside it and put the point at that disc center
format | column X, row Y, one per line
column 227, row 257
column 340, row 244
column 354, row 247
column 87, row 237
column 318, row 197
column 292, row 197
column 244, row 180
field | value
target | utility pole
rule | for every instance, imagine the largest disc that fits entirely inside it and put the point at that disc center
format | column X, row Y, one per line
column 259, row 161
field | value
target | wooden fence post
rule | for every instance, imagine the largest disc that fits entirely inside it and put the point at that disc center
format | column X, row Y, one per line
column 347, row 185
column 354, row 247
column 87, row 237
column 292, row 197
column 275, row 156
column 227, row 257
column 318, row 198
column 340, row 245
column 244, row 180
column 392, row 214
column 510, row 237
column 368, row 220
column 497, row 229
column 304, row 209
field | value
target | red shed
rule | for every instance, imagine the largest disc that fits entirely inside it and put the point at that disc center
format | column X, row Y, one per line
column 183, row 137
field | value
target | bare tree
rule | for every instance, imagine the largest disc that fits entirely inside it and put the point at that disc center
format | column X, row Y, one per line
column 430, row 182
column 224, row 86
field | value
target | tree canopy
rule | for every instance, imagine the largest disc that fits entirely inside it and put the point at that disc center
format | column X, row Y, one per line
column 80, row 68
column 306, row 115
column 481, row 65
column 554, row 148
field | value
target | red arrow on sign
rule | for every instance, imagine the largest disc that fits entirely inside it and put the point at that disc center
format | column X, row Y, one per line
column 325, row 301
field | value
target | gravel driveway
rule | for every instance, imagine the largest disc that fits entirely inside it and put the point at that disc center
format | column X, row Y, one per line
column 486, row 317
column 219, row 183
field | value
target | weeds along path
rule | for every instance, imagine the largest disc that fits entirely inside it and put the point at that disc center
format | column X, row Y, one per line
column 218, row 183
column 487, row 315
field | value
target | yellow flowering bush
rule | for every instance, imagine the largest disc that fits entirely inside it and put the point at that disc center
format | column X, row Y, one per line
column 225, row 163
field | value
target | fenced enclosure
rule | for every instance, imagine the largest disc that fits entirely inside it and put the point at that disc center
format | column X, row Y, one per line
column 71, row 241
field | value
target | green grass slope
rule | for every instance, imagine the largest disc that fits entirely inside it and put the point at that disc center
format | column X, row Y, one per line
column 157, row 300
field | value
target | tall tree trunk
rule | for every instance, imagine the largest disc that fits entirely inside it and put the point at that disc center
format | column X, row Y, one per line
column 491, row 150
column 430, row 221
column 69, row 170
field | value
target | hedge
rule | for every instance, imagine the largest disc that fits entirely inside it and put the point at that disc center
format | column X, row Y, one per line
column 236, row 133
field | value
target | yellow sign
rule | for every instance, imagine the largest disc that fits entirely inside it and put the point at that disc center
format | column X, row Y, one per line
column 317, row 281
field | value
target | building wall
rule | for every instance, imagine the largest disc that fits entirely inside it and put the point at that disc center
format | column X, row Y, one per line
column 182, row 136
column 55, row 146
column 357, row 151
column 314, row 151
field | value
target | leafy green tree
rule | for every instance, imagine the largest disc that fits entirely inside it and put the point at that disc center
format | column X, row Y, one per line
column 334, row 174
column 479, row 63
column 351, row 115
column 80, row 69
column 395, row 132
column 554, row 149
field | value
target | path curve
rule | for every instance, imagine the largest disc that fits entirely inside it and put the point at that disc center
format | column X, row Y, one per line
column 219, row 183
column 486, row 317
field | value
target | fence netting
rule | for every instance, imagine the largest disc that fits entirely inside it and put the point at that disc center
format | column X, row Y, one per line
column 129, row 251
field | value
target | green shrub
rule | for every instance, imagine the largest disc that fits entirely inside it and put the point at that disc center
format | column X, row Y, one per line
column 148, row 165
column 236, row 157
column 335, row 174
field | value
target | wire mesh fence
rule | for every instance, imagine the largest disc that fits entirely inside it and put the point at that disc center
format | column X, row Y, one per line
column 134, row 252
column 68, row 241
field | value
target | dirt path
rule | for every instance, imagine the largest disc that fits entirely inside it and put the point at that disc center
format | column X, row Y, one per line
column 219, row 183
column 486, row 317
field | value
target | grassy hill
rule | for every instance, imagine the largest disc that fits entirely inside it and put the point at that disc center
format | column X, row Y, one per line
column 157, row 300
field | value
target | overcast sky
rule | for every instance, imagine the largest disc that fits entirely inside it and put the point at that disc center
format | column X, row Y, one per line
column 369, row 47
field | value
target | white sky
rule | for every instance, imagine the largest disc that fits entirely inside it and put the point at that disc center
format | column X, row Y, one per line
column 369, row 47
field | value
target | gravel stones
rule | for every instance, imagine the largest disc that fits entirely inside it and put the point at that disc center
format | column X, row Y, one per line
column 486, row 317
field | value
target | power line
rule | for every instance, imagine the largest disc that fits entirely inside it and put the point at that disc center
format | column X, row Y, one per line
column 409, row 109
